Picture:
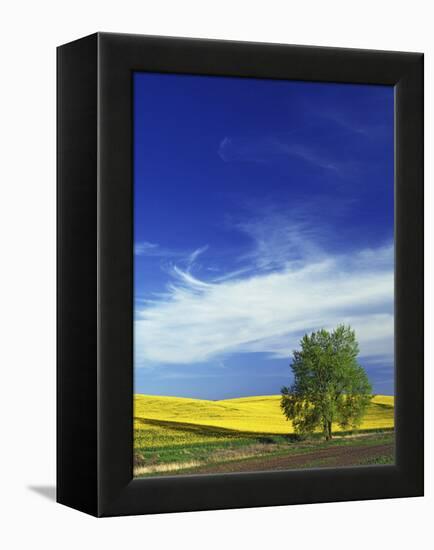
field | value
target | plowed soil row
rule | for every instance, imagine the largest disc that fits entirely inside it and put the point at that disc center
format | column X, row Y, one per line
column 336, row 456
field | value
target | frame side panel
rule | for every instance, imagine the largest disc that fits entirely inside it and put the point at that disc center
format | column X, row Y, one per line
column 77, row 274
column 116, row 286
column 410, row 277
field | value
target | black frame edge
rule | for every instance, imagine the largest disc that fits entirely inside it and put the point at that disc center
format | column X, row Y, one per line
column 119, row 56
column 77, row 469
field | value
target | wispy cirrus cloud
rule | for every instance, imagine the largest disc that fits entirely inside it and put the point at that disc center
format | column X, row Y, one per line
column 373, row 131
column 289, row 234
column 267, row 148
column 301, row 143
column 145, row 248
column 279, row 238
column 286, row 286
column 153, row 250
column 196, row 253
column 264, row 149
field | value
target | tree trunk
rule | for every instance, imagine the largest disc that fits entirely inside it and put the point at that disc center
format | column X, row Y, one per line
column 327, row 430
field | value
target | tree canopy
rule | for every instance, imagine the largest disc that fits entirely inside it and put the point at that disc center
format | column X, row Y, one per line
column 329, row 385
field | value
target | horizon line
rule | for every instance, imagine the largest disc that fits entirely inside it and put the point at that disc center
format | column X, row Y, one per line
column 231, row 398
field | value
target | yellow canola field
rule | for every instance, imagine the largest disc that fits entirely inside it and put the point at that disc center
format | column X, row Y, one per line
column 177, row 421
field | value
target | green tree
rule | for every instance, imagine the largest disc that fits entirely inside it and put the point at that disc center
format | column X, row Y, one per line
column 329, row 385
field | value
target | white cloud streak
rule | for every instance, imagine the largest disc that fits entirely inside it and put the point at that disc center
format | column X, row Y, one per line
column 267, row 311
column 146, row 249
column 268, row 148
column 194, row 255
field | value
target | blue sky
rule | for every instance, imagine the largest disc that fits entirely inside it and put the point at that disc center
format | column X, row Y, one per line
column 263, row 209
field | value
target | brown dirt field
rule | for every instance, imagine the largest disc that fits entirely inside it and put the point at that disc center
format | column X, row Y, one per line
column 337, row 456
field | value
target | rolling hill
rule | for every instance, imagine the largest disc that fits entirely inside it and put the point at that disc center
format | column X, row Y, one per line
column 259, row 414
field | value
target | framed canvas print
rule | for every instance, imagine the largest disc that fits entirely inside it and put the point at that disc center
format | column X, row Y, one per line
column 240, row 274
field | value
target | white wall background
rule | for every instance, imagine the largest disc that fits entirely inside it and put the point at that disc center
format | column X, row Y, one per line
column 30, row 31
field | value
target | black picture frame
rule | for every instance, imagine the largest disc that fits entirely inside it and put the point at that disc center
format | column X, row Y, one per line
column 95, row 282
